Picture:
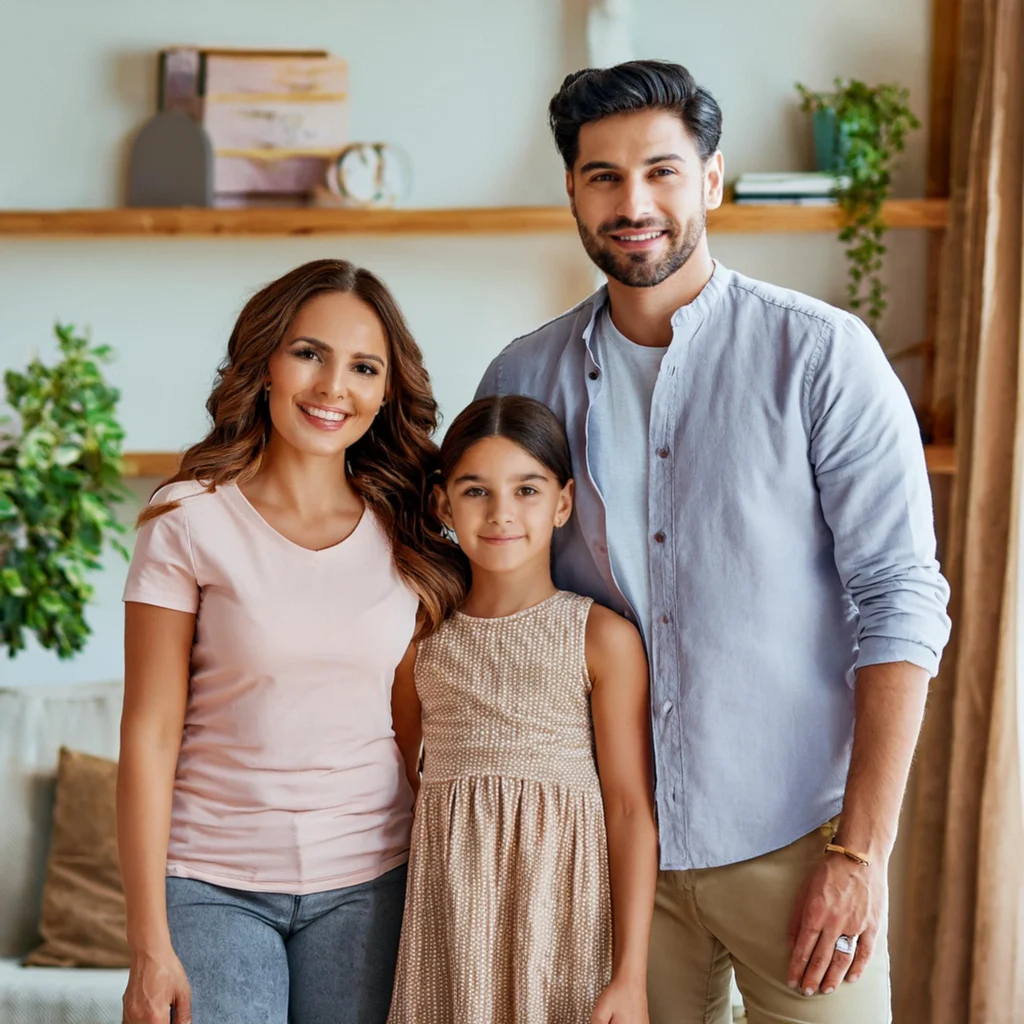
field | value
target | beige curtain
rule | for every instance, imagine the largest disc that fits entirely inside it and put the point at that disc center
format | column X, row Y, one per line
column 964, row 961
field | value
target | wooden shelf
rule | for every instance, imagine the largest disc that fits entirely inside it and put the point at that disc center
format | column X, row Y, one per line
column 151, row 464
column 941, row 461
column 731, row 217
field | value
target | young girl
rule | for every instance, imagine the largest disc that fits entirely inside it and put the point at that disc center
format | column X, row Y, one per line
column 273, row 590
column 532, row 868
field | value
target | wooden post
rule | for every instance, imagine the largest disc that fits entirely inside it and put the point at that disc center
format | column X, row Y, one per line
column 945, row 31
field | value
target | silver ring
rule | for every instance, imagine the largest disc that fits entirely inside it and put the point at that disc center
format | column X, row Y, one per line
column 846, row 944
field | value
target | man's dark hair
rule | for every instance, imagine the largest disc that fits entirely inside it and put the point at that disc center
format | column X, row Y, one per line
column 595, row 93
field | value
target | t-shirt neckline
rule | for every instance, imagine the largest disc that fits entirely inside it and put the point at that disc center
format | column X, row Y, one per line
column 232, row 490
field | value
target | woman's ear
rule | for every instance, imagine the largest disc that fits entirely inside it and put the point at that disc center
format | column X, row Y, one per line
column 563, row 510
column 443, row 507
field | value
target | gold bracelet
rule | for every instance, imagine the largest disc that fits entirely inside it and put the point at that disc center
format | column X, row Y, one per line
column 857, row 857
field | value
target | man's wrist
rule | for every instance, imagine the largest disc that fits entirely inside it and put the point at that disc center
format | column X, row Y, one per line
column 876, row 849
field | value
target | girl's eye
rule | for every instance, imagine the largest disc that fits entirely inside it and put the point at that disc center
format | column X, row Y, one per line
column 527, row 491
column 307, row 353
column 474, row 492
column 366, row 369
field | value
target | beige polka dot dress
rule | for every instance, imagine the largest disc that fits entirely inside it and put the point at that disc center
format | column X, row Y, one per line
column 507, row 914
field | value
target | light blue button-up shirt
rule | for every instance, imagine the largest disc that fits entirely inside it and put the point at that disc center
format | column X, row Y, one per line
column 791, row 542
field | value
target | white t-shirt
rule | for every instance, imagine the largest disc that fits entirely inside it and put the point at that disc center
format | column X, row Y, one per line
column 620, row 420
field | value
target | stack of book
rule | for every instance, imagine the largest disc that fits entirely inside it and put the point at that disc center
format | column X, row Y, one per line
column 792, row 189
column 276, row 118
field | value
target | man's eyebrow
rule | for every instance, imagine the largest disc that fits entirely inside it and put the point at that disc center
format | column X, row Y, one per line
column 605, row 165
column 598, row 165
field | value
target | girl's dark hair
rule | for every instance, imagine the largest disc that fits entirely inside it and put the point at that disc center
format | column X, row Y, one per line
column 524, row 421
column 595, row 93
column 391, row 466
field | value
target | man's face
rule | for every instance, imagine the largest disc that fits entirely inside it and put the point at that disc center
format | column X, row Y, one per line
column 640, row 195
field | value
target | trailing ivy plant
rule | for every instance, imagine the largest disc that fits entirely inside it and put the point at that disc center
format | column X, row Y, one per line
column 872, row 124
column 60, row 479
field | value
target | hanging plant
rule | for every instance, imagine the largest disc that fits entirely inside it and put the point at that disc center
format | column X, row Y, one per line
column 60, row 478
column 869, row 127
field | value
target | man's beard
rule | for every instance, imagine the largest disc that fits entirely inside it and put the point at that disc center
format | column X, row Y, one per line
column 641, row 270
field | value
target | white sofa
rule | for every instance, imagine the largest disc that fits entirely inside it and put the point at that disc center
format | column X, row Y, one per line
column 35, row 721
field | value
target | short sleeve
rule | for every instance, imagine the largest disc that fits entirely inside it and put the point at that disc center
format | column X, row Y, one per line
column 162, row 572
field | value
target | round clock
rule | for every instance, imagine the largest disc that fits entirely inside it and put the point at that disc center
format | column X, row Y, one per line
column 370, row 174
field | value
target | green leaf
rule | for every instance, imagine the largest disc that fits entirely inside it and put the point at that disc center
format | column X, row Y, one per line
column 60, row 480
column 66, row 454
column 12, row 583
column 873, row 122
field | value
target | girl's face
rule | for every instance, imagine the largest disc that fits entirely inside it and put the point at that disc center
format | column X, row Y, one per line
column 328, row 376
column 503, row 506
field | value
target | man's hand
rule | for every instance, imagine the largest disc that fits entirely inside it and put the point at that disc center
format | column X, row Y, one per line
column 840, row 898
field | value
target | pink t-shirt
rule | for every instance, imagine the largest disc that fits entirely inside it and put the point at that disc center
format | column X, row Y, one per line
column 289, row 778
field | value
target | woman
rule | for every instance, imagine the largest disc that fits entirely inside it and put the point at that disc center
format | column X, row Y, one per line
column 263, row 808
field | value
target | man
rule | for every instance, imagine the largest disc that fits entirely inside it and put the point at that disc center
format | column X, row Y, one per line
column 751, row 490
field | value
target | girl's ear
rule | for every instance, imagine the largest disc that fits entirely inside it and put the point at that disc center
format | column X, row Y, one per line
column 443, row 506
column 563, row 510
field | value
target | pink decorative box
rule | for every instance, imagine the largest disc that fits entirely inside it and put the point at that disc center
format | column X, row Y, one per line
column 235, row 77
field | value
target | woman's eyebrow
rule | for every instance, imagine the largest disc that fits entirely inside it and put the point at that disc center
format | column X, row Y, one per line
column 321, row 346
column 368, row 357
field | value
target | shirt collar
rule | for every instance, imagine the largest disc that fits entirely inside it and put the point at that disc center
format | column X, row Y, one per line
column 705, row 301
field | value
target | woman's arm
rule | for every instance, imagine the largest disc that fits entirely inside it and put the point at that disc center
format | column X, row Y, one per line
column 158, row 643
column 405, row 717
column 620, row 705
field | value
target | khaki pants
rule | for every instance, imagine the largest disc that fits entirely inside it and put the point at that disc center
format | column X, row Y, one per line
column 711, row 919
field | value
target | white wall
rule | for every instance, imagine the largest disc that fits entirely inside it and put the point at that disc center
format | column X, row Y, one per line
column 463, row 86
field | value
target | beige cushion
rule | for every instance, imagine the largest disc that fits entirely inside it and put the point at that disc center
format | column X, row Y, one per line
column 83, row 918
column 35, row 722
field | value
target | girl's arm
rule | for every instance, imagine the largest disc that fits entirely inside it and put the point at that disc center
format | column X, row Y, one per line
column 405, row 717
column 158, row 642
column 620, row 705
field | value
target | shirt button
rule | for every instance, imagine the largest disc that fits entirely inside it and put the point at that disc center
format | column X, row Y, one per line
column 664, row 620
column 594, row 374
column 662, row 453
column 666, row 707
column 659, row 537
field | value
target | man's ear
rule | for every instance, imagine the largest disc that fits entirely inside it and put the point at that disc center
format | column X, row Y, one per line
column 570, row 191
column 714, row 181
column 565, row 500
column 443, row 507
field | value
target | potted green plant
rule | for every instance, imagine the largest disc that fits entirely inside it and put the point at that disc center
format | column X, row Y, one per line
column 60, row 479
column 859, row 129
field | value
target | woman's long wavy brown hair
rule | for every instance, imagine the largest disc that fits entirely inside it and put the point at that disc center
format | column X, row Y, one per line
column 392, row 466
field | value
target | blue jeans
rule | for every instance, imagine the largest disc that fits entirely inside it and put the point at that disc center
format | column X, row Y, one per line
column 271, row 958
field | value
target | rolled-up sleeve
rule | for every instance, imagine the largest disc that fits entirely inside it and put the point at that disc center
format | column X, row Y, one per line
column 876, row 497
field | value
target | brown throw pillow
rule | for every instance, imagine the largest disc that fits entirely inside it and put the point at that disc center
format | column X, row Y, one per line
column 83, row 918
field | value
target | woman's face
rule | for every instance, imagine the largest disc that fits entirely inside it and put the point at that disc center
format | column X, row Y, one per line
column 328, row 376
column 503, row 505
